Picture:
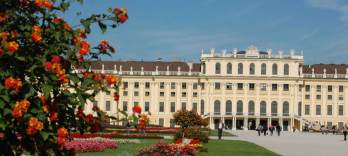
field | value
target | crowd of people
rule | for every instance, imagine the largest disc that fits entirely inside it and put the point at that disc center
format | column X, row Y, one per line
column 263, row 129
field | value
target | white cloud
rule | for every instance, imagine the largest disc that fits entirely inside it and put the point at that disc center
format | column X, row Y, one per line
column 333, row 5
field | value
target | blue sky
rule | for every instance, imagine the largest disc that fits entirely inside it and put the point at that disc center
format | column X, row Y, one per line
column 179, row 29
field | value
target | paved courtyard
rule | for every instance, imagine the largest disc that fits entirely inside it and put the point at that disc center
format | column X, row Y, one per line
column 297, row 144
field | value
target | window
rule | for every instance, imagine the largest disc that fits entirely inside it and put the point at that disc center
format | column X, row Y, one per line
column 229, row 86
column 286, row 69
column 161, row 85
column 147, row 106
column 125, row 106
column 125, row 93
column 252, row 69
column 300, row 88
column 194, row 86
column 136, row 84
column 172, row 107
column 216, row 107
column 202, row 86
column 285, row 87
column 239, row 107
column 136, row 93
column 147, row 85
column 202, row 107
column 183, row 85
column 251, row 86
column 263, row 86
column 194, row 94
column 161, row 107
column 172, row 123
column 318, row 88
column 317, row 110
column 274, row 69
column 329, row 124
column 125, row 85
column 340, row 110
column 107, row 106
column 308, row 88
column 251, row 108
column 217, row 85
column 340, row 89
column 161, row 93
column 183, row 105
column 217, row 68
column 340, row 125
column 274, row 108
column 161, row 122
column 172, row 94
column 329, row 109
column 307, row 97
column 203, row 68
column 107, row 93
column 263, row 108
column 228, row 107
column 172, row 85
column 307, row 109
column 147, row 93
column 318, row 97
column 285, row 108
column 183, row 94
column 240, row 68
column 263, row 69
column 136, row 103
column 240, row 86
column 194, row 107
column 299, row 108
column 329, row 97
column 329, row 88
column 274, row 87
column 229, row 68
column 340, row 98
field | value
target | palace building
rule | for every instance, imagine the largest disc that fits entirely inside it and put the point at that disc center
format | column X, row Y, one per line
column 241, row 88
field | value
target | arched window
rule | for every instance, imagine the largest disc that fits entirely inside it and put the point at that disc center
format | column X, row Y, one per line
column 286, row 108
column 217, row 107
column 229, row 107
column 217, row 68
column 239, row 107
column 274, row 108
column 229, row 68
column 286, row 69
column 202, row 107
column 251, row 108
column 252, row 69
column 263, row 69
column 263, row 108
column 274, row 69
column 204, row 68
column 240, row 68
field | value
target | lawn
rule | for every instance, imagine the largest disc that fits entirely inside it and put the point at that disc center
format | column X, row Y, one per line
column 215, row 133
column 215, row 148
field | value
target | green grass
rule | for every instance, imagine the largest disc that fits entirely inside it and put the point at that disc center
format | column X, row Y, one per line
column 215, row 148
column 215, row 133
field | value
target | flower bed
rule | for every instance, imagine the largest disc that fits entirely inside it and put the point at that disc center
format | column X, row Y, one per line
column 162, row 148
column 116, row 135
column 90, row 145
column 119, row 141
column 148, row 130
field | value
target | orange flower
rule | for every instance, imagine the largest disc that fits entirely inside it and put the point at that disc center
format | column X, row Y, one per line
column 12, row 46
column 67, row 26
column 4, row 35
column 57, row 20
column 111, row 79
column 36, row 37
column 62, row 132
column 121, row 14
column 20, row 108
column 116, row 97
column 44, row 4
column 36, row 29
column 34, row 125
column 11, row 83
column 3, row 16
column 84, row 49
column 104, row 45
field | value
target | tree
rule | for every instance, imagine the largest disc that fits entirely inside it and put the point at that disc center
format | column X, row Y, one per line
column 41, row 97
column 187, row 119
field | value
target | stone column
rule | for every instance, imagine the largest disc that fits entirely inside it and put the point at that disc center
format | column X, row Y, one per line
column 234, row 125
column 245, row 125
column 257, row 122
column 280, row 122
column 269, row 122
column 211, row 122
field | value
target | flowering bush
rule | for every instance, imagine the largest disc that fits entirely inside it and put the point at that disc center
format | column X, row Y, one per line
column 148, row 130
column 90, row 145
column 40, row 91
column 115, row 135
column 191, row 133
column 164, row 149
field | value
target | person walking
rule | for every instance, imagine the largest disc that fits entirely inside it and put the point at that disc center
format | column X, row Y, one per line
column 333, row 129
column 278, row 128
column 264, row 128
column 345, row 130
column 220, row 128
column 259, row 129
column 271, row 129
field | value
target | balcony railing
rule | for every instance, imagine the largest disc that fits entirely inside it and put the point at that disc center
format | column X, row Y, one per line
column 217, row 113
column 239, row 113
column 228, row 113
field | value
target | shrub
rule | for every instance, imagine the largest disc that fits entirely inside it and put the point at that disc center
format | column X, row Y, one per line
column 193, row 133
column 164, row 149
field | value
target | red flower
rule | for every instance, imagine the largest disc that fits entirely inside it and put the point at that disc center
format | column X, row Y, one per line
column 122, row 18
column 89, row 118
column 95, row 108
column 62, row 132
column 137, row 109
column 121, row 14
column 178, row 141
column 48, row 66
column 55, row 59
column 11, row 83
column 194, row 141
column 57, row 20
column 36, row 37
column 53, row 116
column 97, row 77
column 116, row 97
column 1, row 52
column 84, row 48
column 12, row 46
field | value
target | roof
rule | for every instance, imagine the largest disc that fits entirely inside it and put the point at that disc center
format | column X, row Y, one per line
column 147, row 65
column 330, row 68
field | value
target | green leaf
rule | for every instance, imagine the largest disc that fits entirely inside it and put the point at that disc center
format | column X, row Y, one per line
column 7, row 111
column 47, row 90
column 2, row 124
column 44, row 135
column 74, row 78
column 5, row 98
column 2, row 104
column 102, row 27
